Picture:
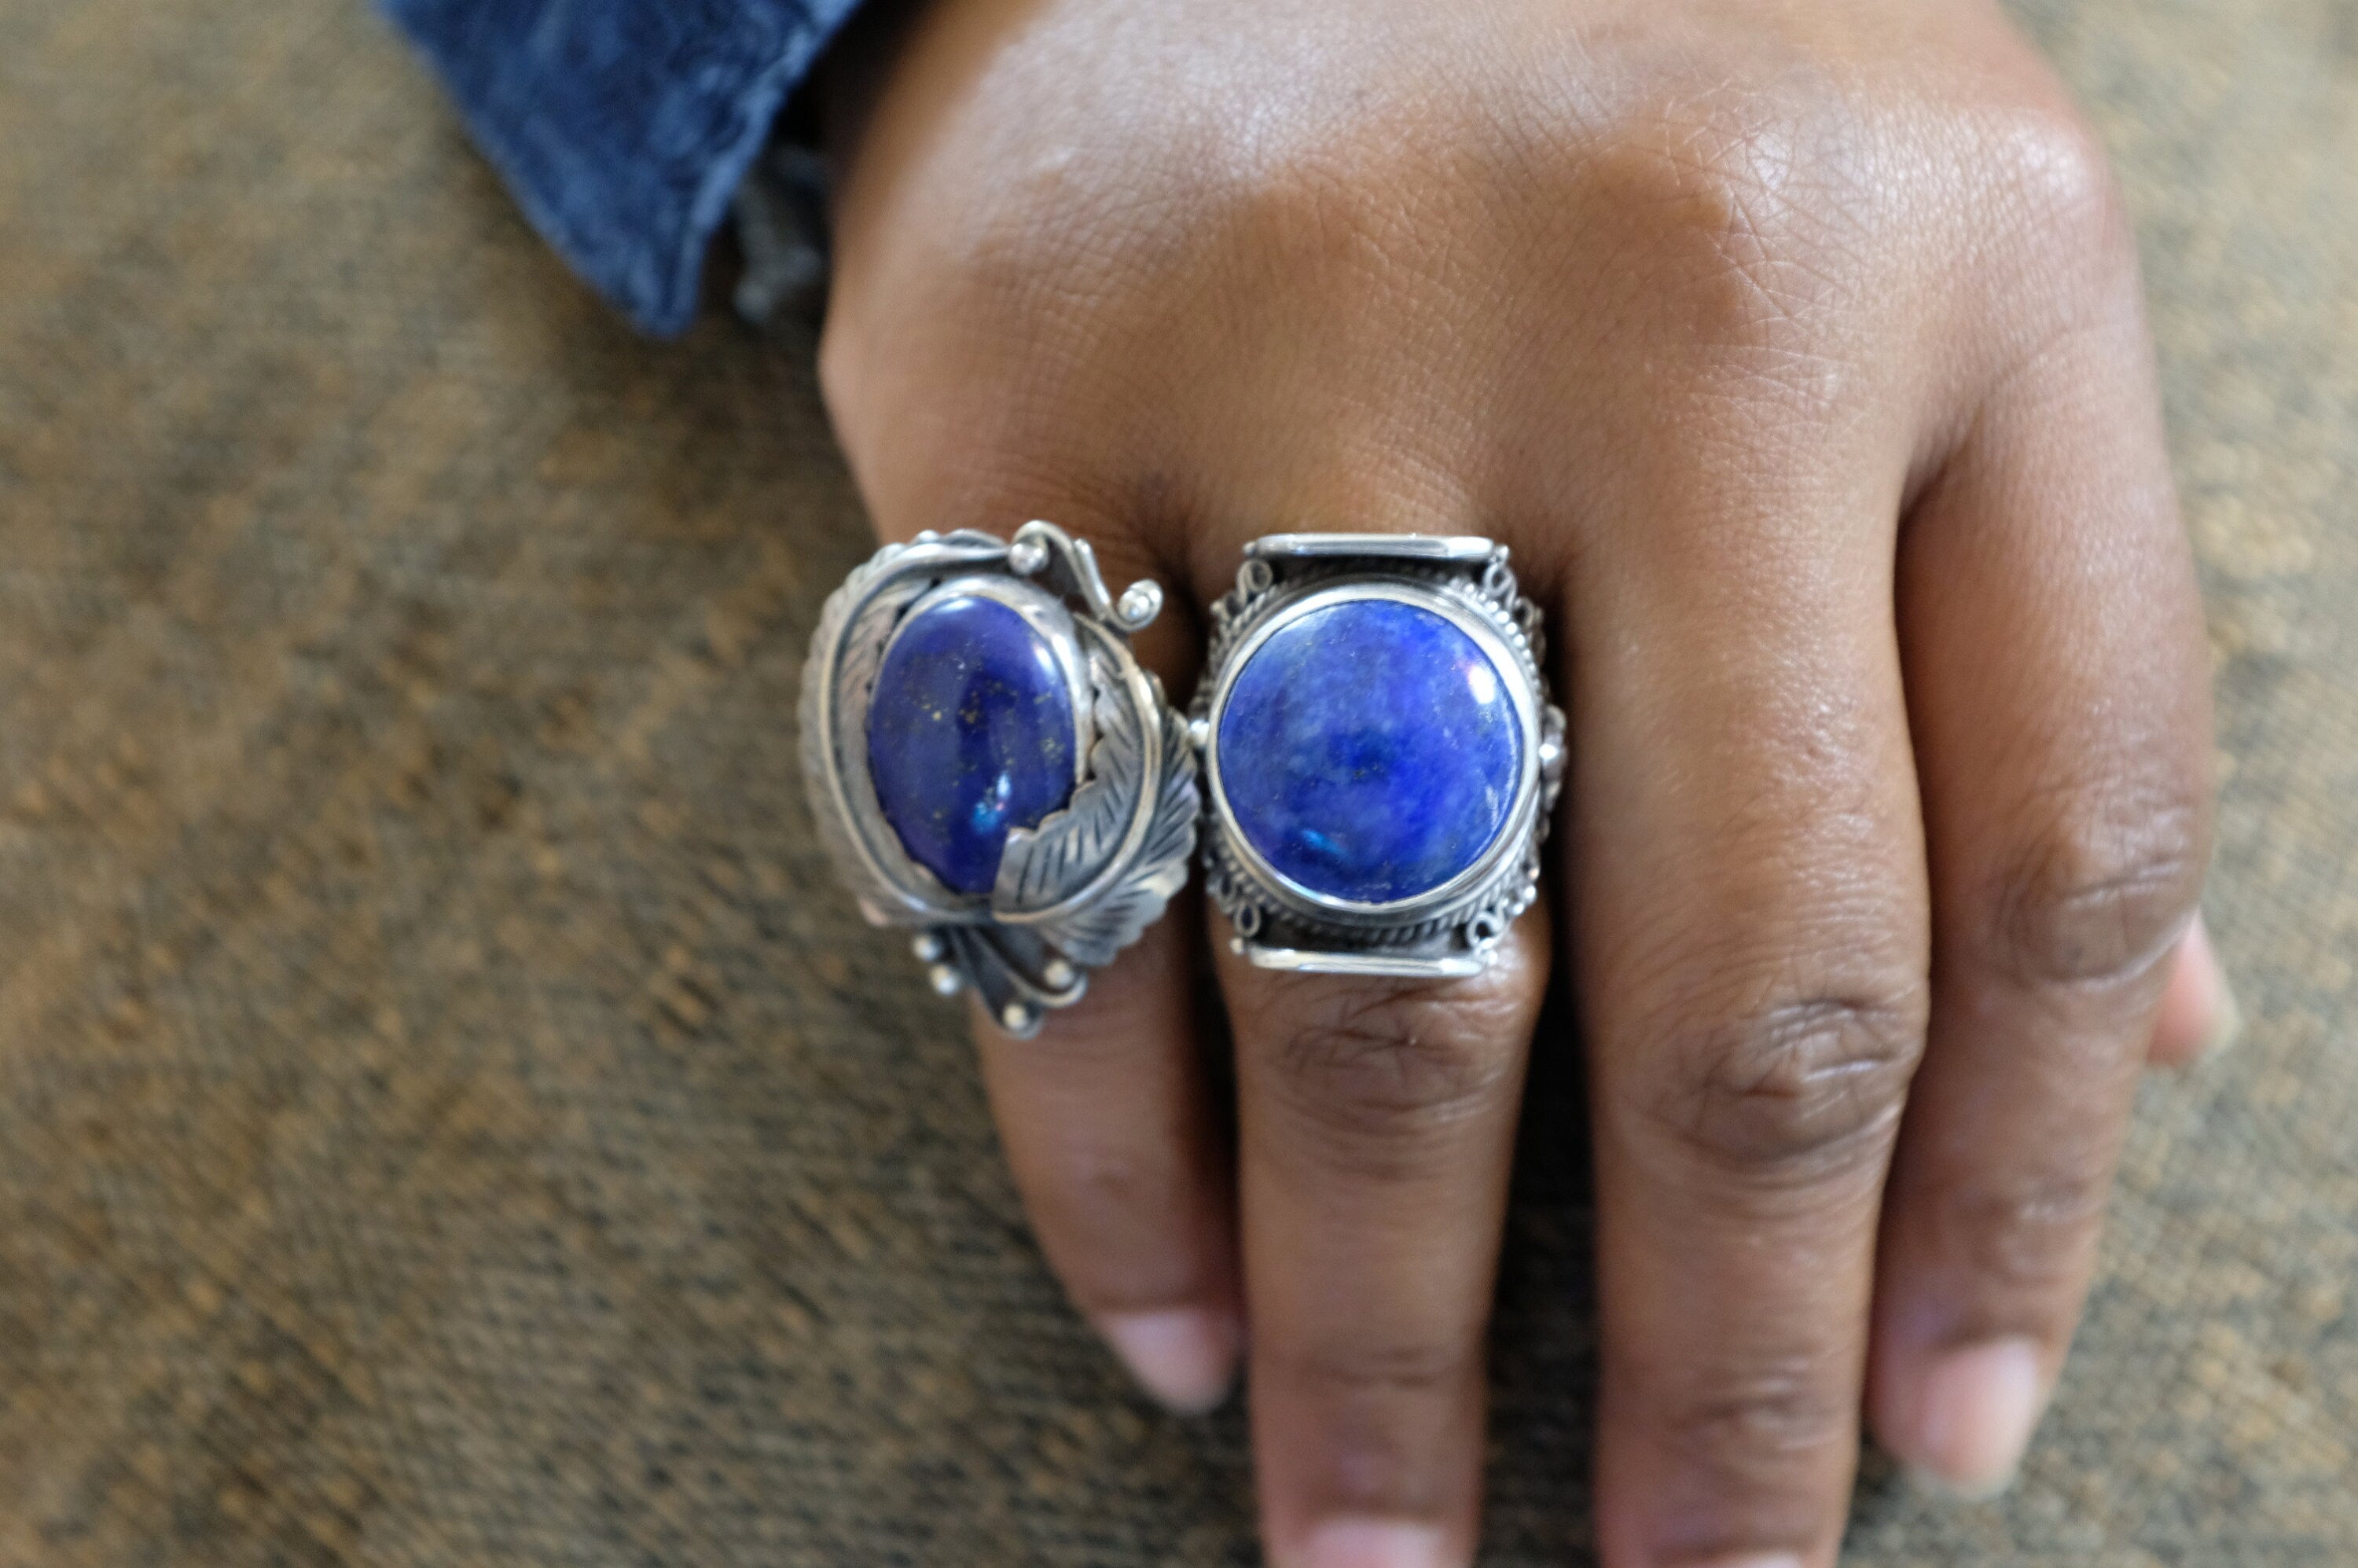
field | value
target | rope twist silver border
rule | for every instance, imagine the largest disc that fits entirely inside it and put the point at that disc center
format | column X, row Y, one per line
column 1079, row 886
column 1451, row 931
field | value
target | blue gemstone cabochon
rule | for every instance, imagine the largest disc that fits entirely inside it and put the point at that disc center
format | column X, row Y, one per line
column 1370, row 751
column 969, row 734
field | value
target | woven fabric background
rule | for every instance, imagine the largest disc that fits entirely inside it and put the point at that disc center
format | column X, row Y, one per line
column 447, row 1114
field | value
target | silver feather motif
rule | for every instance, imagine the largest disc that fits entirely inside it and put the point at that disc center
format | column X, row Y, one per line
column 1083, row 884
column 853, row 629
column 1090, row 878
column 862, row 652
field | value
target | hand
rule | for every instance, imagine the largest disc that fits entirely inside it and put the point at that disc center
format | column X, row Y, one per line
column 1795, row 347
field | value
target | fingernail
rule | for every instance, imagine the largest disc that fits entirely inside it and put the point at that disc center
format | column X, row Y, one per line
column 2226, row 1023
column 1975, row 1417
column 1186, row 1358
column 2206, row 979
column 1374, row 1543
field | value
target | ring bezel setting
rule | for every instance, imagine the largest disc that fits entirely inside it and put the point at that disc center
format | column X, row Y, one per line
column 1073, row 888
column 1450, row 930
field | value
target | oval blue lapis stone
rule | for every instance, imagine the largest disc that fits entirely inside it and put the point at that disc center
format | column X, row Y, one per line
column 969, row 734
column 1370, row 751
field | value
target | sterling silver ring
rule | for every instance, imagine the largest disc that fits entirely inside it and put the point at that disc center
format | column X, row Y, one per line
column 1379, row 751
column 989, row 766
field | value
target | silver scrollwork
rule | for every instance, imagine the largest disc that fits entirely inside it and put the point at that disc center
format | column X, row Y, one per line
column 1453, row 930
column 1082, row 883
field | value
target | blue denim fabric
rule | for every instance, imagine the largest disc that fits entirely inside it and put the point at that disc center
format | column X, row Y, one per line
column 623, row 127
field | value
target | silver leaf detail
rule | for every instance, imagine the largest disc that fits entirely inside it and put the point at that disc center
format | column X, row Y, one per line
column 853, row 629
column 1046, row 867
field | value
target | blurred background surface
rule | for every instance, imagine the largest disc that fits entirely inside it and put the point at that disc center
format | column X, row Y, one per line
column 447, row 1113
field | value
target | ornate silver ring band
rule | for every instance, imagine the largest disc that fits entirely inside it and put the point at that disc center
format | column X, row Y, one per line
column 989, row 767
column 1379, row 751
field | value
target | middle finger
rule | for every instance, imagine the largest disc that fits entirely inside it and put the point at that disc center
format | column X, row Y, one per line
column 1358, row 755
column 1376, row 1127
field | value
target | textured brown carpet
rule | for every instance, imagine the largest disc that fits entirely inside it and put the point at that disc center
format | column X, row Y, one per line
column 446, row 1115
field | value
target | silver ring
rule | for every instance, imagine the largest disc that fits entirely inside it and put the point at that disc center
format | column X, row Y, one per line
column 1379, row 753
column 989, row 766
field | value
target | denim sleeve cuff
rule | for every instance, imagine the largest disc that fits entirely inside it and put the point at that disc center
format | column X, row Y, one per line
column 623, row 127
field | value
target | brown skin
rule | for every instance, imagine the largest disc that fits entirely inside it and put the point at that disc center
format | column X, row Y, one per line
column 1795, row 347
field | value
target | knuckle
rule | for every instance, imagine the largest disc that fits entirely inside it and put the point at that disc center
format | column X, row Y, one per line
column 2036, row 196
column 1379, row 1402
column 1313, row 193
column 2030, row 1235
column 1792, row 1087
column 1409, row 1367
column 1732, row 200
column 1375, row 1063
column 1744, row 207
column 2104, row 885
column 1753, row 1424
column 2049, row 180
column 838, row 371
column 1098, row 1176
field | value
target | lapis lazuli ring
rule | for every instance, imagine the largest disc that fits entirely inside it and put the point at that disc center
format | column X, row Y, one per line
column 1379, row 751
column 989, row 766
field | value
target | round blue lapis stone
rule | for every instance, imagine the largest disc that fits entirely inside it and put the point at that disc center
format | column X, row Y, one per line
column 969, row 734
column 1370, row 751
